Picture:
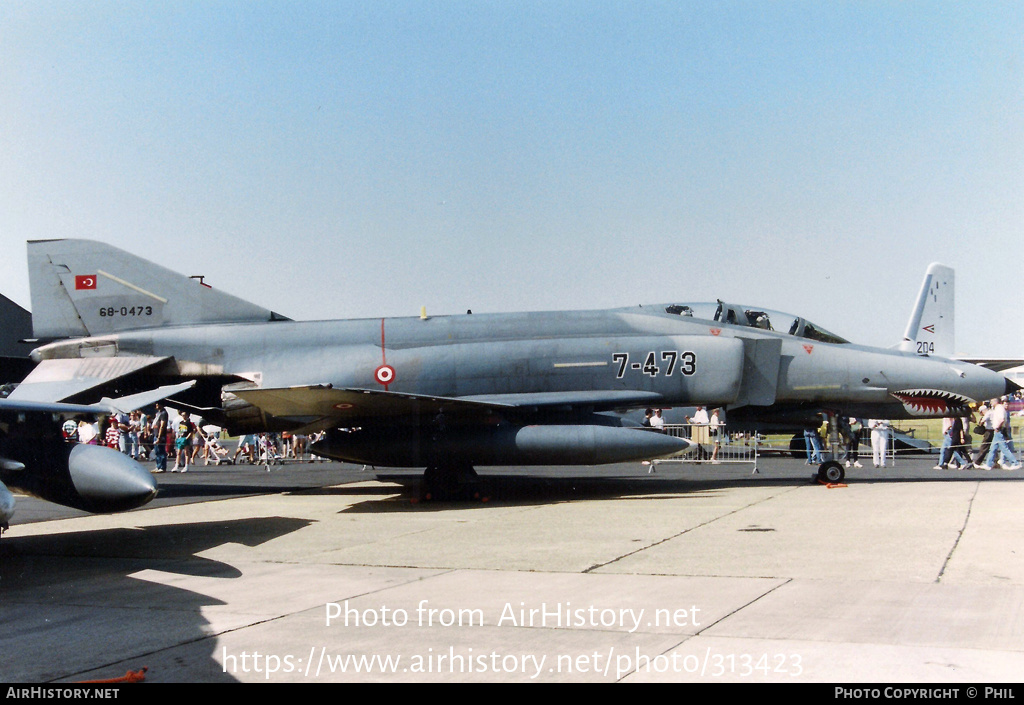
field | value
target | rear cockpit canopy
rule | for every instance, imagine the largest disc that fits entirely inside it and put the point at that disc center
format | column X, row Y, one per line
column 736, row 315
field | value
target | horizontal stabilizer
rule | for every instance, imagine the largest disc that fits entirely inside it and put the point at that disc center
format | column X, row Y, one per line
column 121, row 405
column 60, row 379
column 124, row 405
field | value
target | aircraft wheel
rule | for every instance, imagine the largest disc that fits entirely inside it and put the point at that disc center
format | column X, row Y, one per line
column 446, row 483
column 831, row 472
column 435, row 481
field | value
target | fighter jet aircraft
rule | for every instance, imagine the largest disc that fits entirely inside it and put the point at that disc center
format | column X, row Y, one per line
column 449, row 393
column 36, row 460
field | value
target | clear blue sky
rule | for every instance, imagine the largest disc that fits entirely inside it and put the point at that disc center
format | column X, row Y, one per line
column 352, row 159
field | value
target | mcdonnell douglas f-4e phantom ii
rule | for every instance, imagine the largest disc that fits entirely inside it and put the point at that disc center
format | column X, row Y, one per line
column 452, row 392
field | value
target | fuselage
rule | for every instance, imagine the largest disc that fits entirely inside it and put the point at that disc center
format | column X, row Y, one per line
column 684, row 360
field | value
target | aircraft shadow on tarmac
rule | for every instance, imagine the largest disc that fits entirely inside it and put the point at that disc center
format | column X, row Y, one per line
column 506, row 490
column 76, row 595
column 221, row 491
column 496, row 489
column 514, row 490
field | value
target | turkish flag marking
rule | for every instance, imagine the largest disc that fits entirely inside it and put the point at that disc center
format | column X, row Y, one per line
column 85, row 281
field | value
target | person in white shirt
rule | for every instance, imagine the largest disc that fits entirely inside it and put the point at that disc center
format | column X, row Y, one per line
column 879, row 441
column 87, row 432
column 715, row 426
column 699, row 432
column 657, row 421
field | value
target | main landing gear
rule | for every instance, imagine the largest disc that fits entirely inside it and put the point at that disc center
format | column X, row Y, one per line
column 451, row 482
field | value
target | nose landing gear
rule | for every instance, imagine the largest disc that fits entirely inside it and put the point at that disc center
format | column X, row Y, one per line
column 831, row 472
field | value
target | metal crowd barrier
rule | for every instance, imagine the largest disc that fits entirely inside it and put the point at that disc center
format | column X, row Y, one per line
column 745, row 448
column 711, row 447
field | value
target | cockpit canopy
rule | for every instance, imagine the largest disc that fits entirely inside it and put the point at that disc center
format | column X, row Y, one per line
column 737, row 315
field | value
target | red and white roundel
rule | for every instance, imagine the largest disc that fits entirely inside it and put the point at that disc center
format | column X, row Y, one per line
column 385, row 374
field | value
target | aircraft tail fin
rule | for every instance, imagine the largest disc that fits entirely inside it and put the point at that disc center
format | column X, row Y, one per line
column 86, row 288
column 14, row 354
column 930, row 330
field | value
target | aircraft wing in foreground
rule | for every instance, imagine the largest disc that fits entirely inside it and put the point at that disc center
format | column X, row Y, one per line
column 35, row 459
column 452, row 392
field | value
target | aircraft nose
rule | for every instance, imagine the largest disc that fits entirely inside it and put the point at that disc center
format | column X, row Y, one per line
column 109, row 481
column 6, row 506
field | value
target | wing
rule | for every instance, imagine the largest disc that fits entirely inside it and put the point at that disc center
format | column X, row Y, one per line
column 324, row 406
column 994, row 364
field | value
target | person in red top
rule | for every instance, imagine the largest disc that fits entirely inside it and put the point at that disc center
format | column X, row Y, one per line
column 112, row 438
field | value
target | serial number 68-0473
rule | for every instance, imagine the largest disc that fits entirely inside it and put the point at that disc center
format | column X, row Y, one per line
column 113, row 311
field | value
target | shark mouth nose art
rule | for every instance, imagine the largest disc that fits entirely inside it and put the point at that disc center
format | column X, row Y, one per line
column 932, row 402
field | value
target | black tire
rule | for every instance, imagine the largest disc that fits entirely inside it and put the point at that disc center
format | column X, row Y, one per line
column 831, row 472
column 449, row 483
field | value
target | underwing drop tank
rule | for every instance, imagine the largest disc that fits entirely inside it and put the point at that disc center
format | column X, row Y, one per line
column 501, row 445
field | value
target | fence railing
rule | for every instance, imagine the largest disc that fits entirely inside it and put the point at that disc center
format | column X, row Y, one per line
column 712, row 445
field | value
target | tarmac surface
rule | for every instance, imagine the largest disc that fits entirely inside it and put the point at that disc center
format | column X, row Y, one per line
column 694, row 573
